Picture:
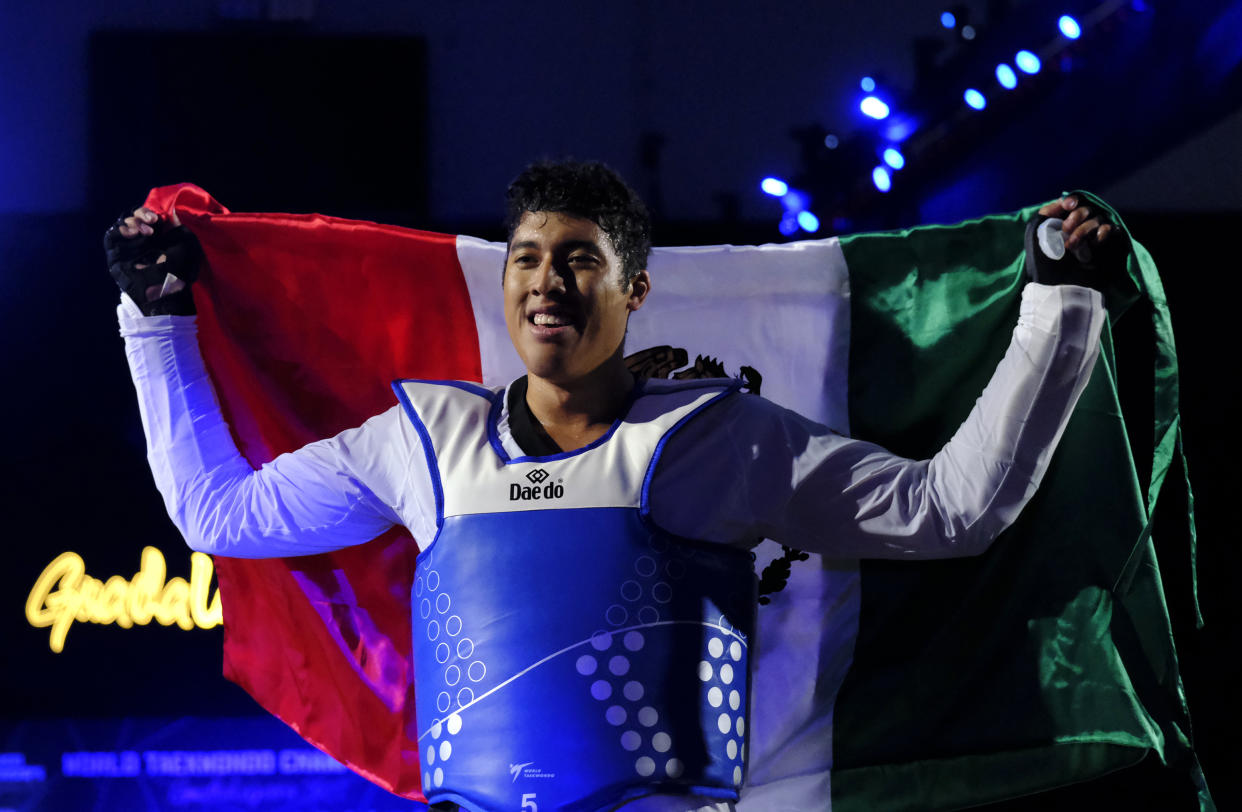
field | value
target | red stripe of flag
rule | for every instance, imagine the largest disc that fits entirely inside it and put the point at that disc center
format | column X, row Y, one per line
column 303, row 321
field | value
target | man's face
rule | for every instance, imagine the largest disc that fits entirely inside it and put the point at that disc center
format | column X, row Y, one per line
column 566, row 305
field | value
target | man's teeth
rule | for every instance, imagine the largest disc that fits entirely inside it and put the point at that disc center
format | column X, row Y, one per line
column 550, row 320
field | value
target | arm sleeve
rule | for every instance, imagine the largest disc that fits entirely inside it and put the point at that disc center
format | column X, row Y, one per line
column 798, row 483
column 330, row 494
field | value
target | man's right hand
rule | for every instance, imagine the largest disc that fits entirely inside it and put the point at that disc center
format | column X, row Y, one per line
column 154, row 261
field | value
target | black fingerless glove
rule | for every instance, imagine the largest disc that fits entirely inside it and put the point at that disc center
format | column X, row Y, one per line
column 1048, row 262
column 183, row 255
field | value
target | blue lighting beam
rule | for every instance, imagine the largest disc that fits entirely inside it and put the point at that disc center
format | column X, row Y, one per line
column 774, row 186
column 1069, row 27
column 1005, row 75
column 975, row 99
column 808, row 222
column 794, row 201
column 873, row 107
column 882, row 180
column 894, row 158
column 1027, row 62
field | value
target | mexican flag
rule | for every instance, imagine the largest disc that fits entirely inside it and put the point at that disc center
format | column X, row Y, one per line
column 883, row 685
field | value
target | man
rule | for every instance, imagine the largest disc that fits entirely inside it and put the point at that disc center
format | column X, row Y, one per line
column 585, row 598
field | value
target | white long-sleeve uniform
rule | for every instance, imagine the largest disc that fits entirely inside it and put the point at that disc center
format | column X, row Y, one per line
column 745, row 469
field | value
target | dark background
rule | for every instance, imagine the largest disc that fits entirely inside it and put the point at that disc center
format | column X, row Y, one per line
column 419, row 118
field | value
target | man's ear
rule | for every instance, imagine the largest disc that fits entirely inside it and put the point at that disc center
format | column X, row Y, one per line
column 640, row 286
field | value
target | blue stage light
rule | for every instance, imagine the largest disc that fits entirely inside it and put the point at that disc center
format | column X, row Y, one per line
column 1027, row 62
column 882, row 180
column 1005, row 75
column 794, row 201
column 948, row 20
column 975, row 99
column 968, row 32
column 873, row 107
column 867, row 84
column 774, row 186
column 831, row 141
column 894, row 158
column 808, row 221
column 1069, row 27
column 789, row 224
column 898, row 128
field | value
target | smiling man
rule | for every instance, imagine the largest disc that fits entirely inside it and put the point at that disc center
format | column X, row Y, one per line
column 568, row 297
column 584, row 606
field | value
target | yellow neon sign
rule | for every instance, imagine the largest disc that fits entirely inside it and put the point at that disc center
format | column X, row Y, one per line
column 141, row 599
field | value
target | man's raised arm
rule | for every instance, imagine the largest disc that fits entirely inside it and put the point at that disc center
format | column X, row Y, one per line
column 807, row 487
column 330, row 494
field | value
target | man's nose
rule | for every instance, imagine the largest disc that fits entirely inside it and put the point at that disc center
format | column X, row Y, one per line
column 549, row 277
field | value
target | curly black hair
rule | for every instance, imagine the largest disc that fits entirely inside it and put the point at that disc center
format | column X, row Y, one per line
column 586, row 189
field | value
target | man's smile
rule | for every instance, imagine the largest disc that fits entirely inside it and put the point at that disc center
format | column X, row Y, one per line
column 550, row 322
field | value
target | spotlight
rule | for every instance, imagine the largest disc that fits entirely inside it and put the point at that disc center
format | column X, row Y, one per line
column 1069, row 27
column 1005, row 75
column 831, row 141
column 882, row 180
column 808, row 221
column 968, row 32
column 867, row 84
column 894, row 158
column 899, row 128
column 975, row 99
column 789, row 224
column 1027, row 62
column 794, row 201
column 948, row 20
column 774, row 186
column 873, row 107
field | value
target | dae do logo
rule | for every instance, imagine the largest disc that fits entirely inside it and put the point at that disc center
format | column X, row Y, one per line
column 539, row 488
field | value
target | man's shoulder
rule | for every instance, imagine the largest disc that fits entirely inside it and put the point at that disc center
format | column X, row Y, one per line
column 445, row 387
column 663, row 386
column 421, row 398
column 748, row 417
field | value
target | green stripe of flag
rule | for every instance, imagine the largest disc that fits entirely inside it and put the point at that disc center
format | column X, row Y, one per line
column 1050, row 659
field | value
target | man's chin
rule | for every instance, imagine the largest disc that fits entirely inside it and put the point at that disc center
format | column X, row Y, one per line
column 552, row 370
column 562, row 368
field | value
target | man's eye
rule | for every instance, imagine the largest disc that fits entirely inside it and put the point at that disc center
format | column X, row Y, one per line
column 582, row 259
column 524, row 259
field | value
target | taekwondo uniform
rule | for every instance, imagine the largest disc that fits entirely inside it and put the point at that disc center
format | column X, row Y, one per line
column 568, row 651
column 723, row 473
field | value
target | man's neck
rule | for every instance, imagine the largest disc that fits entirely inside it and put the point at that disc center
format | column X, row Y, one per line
column 578, row 413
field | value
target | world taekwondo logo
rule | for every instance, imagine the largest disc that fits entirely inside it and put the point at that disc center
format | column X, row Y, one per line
column 527, row 770
column 540, row 487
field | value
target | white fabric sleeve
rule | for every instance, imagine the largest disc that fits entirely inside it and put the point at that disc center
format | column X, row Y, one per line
column 330, row 494
column 791, row 480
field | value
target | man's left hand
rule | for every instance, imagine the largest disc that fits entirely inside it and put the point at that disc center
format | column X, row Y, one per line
column 1095, row 248
column 1084, row 229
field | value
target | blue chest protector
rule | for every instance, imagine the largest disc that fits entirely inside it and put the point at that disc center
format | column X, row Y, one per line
column 568, row 654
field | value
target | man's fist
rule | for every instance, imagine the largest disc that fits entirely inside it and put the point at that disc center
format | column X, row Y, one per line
column 1084, row 248
column 154, row 261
